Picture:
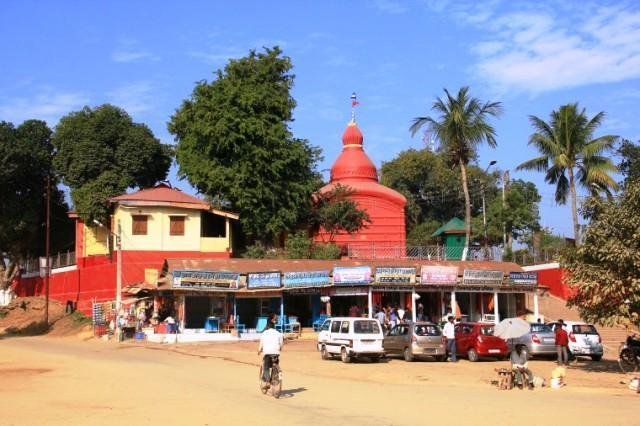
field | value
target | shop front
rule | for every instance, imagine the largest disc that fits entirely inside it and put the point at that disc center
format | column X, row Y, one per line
column 302, row 295
column 394, row 287
column 200, row 299
column 350, row 295
column 433, row 291
column 261, row 298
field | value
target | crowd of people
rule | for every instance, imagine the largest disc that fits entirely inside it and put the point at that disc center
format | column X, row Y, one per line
column 390, row 315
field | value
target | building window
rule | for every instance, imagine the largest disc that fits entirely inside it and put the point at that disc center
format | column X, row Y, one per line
column 176, row 225
column 139, row 224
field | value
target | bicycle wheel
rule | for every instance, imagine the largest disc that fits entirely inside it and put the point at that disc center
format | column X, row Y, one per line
column 276, row 381
column 262, row 388
column 627, row 360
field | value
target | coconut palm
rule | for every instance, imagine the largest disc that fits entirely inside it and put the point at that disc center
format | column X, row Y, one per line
column 460, row 127
column 569, row 154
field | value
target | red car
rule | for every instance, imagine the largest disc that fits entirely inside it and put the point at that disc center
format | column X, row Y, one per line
column 475, row 340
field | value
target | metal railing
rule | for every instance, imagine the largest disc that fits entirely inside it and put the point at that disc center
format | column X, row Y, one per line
column 59, row 260
column 375, row 251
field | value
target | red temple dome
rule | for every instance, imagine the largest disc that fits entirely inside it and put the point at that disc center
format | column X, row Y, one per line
column 353, row 163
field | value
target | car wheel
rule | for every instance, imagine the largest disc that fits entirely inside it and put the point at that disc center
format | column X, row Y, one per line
column 324, row 354
column 408, row 356
column 344, row 356
column 472, row 354
column 596, row 357
column 375, row 359
column 570, row 355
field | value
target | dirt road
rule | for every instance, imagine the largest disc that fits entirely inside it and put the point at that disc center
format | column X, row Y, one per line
column 66, row 381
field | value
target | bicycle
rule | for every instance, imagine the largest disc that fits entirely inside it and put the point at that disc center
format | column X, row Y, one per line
column 275, row 382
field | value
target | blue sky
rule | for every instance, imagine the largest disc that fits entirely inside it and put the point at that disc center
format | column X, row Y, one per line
column 398, row 56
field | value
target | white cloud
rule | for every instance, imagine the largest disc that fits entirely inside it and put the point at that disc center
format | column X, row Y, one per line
column 390, row 6
column 128, row 50
column 135, row 98
column 47, row 105
column 545, row 49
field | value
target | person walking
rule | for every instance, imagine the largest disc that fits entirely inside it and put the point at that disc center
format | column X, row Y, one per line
column 449, row 332
column 562, row 341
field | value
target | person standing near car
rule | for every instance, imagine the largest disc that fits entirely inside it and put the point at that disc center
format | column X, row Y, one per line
column 562, row 341
column 449, row 332
column 270, row 345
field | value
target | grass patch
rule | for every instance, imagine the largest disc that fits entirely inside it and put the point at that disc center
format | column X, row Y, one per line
column 79, row 318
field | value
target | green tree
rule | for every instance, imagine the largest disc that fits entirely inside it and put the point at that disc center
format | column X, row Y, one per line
column 629, row 164
column 234, row 144
column 605, row 270
column 570, row 154
column 461, row 126
column 101, row 152
column 25, row 162
column 334, row 212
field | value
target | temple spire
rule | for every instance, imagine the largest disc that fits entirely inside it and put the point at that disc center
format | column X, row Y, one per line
column 354, row 103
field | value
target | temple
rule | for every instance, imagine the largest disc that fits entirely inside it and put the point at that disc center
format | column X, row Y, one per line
column 385, row 207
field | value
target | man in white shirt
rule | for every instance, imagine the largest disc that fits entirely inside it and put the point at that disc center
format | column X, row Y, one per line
column 448, row 331
column 271, row 342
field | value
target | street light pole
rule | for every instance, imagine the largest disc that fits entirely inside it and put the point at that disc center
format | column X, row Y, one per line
column 118, row 278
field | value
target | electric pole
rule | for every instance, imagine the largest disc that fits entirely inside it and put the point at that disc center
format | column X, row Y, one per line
column 47, row 253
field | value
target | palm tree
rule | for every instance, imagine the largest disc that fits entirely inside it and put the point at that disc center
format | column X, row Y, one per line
column 569, row 153
column 461, row 126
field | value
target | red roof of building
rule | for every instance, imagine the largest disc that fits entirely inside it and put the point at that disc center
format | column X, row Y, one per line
column 164, row 195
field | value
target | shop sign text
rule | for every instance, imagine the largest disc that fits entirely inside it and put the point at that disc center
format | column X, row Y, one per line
column 351, row 275
column 438, row 274
column 482, row 277
column 306, row 279
column 396, row 275
column 263, row 280
column 205, row 280
column 523, row 278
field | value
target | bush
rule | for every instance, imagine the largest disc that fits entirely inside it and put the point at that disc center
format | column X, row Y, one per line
column 255, row 251
column 79, row 318
column 326, row 251
column 298, row 246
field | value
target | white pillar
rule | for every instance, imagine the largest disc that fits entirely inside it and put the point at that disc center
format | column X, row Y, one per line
column 413, row 305
column 370, row 302
column 442, row 307
column 453, row 304
column 536, row 312
column 495, row 307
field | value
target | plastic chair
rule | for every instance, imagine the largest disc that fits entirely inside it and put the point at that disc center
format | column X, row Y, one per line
column 211, row 325
column 283, row 325
column 239, row 326
column 317, row 324
column 261, row 324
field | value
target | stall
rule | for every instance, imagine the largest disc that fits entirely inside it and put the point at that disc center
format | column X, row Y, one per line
column 302, row 293
column 350, row 295
column 394, row 286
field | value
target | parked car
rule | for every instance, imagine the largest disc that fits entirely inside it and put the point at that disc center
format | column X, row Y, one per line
column 476, row 339
column 415, row 340
column 539, row 341
column 351, row 337
column 584, row 339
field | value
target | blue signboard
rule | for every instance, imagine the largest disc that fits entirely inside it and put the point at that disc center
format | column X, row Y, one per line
column 523, row 278
column 306, row 279
column 351, row 275
column 263, row 280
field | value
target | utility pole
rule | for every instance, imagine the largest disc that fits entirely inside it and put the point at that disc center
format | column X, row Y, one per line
column 118, row 278
column 484, row 213
column 47, row 253
column 505, row 182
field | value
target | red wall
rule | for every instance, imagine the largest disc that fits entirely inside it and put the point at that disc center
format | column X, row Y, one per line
column 95, row 276
column 553, row 278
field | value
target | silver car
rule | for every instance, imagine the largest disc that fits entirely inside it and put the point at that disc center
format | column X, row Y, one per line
column 540, row 340
column 415, row 340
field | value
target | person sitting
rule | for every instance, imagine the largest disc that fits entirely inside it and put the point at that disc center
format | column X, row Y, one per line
column 520, row 366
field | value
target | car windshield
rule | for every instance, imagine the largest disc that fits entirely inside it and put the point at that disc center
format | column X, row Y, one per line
column 541, row 328
column 426, row 330
column 584, row 329
column 366, row 327
column 486, row 330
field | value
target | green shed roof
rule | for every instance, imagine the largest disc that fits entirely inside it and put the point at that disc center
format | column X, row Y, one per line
column 454, row 226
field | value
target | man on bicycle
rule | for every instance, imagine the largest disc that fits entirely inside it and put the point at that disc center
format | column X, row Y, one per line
column 270, row 344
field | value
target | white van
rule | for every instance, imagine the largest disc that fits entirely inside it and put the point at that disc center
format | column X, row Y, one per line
column 351, row 337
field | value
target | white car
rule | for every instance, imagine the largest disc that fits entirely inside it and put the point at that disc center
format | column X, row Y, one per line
column 584, row 339
column 350, row 338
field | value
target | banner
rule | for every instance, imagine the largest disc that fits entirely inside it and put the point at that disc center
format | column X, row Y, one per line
column 523, row 278
column 263, row 280
column 349, row 291
column 482, row 277
column 306, row 279
column 205, row 280
column 396, row 275
column 438, row 274
column 350, row 275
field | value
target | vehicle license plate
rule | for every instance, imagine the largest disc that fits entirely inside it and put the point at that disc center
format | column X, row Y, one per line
column 494, row 351
column 549, row 340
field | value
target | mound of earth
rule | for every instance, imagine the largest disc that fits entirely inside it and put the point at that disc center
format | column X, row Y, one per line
column 25, row 316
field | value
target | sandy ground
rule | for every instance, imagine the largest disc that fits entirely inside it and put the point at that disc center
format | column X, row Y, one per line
column 49, row 380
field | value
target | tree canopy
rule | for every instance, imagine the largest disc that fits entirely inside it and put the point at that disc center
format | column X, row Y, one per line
column 234, row 144
column 334, row 212
column 101, row 152
column 25, row 161
column 605, row 270
column 629, row 165
column 461, row 126
column 570, row 155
